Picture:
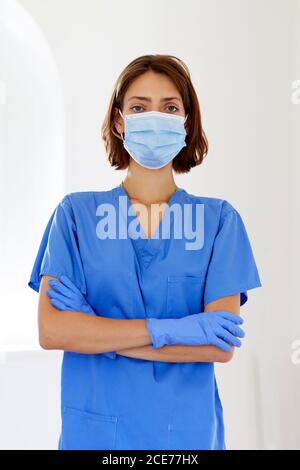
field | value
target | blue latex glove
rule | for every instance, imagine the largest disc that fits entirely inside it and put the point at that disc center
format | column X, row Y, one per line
column 66, row 296
column 216, row 328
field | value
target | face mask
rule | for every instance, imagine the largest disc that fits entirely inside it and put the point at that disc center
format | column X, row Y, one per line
column 153, row 138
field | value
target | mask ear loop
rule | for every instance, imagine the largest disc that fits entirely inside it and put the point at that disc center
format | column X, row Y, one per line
column 184, row 123
column 118, row 135
column 120, row 112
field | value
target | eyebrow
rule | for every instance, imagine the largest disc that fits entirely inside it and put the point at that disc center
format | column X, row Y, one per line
column 145, row 98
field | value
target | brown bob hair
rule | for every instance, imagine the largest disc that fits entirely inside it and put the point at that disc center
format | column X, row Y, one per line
column 197, row 145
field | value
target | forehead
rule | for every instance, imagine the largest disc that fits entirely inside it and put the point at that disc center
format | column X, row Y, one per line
column 153, row 85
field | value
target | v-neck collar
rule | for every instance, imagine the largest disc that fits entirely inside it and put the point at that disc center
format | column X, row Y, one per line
column 146, row 248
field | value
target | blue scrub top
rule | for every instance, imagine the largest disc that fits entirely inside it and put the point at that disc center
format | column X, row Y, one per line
column 128, row 403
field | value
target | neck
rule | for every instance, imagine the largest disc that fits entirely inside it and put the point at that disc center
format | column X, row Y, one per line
column 149, row 186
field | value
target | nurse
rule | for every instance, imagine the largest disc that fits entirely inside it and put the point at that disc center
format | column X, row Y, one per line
column 141, row 285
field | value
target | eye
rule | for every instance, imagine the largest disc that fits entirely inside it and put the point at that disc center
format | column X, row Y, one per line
column 173, row 106
column 136, row 106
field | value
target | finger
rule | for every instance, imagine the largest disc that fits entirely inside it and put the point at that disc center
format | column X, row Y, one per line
column 222, row 345
column 68, row 283
column 231, row 327
column 59, row 305
column 228, row 337
column 111, row 354
column 70, row 304
column 86, row 309
column 79, row 307
column 59, row 287
column 56, row 285
column 231, row 317
column 61, row 298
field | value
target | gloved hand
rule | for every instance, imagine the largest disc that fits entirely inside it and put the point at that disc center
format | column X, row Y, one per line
column 216, row 328
column 66, row 296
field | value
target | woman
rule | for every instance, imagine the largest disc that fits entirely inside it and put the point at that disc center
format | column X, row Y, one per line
column 142, row 315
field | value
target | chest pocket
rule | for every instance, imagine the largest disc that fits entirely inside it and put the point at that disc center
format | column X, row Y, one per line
column 184, row 295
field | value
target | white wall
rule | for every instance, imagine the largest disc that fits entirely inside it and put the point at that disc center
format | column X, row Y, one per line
column 31, row 157
column 243, row 56
column 30, row 400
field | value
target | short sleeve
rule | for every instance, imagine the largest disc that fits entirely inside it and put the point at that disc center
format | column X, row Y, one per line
column 232, row 268
column 58, row 252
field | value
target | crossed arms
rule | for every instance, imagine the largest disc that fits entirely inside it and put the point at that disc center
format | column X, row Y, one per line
column 78, row 332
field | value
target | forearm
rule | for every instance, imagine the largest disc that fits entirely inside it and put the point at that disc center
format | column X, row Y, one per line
column 75, row 331
column 72, row 330
column 79, row 332
column 178, row 353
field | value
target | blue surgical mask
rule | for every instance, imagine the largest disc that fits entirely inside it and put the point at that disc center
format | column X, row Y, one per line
column 154, row 138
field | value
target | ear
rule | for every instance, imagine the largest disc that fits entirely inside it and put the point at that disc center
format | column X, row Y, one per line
column 186, row 125
column 118, row 121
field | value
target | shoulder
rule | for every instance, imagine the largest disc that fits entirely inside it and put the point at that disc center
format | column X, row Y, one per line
column 75, row 208
column 213, row 206
column 79, row 199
